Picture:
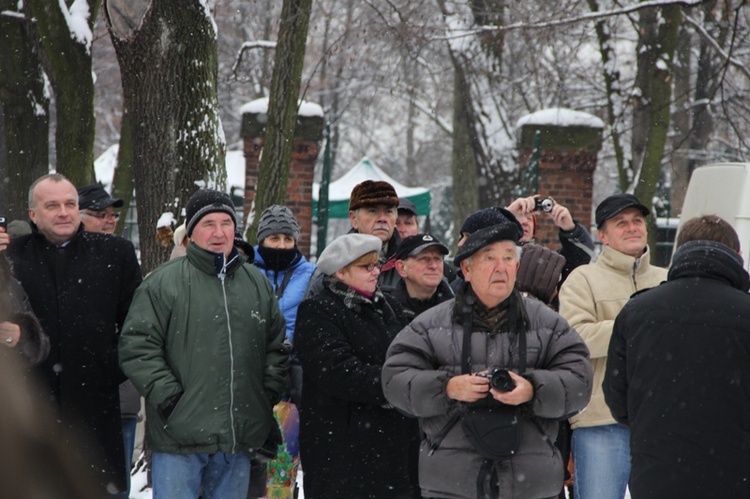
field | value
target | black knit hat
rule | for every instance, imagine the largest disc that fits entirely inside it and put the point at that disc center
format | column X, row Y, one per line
column 372, row 192
column 509, row 230
column 206, row 201
column 485, row 218
column 615, row 204
column 277, row 219
column 539, row 271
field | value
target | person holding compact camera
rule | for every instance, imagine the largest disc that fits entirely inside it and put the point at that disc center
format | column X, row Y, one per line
column 489, row 374
column 577, row 245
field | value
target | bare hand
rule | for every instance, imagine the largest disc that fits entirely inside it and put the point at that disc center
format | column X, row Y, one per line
column 10, row 334
column 522, row 393
column 561, row 216
column 523, row 206
column 467, row 388
column 4, row 239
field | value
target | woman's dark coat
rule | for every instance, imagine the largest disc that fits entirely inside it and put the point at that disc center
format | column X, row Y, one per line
column 80, row 293
column 678, row 372
column 353, row 444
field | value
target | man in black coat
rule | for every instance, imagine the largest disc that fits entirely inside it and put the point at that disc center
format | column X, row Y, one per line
column 80, row 285
column 678, row 366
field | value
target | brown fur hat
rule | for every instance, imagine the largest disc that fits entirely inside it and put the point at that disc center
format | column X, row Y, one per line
column 372, row 192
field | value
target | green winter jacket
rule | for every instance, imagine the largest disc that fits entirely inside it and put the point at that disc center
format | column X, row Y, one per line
column 205, row 348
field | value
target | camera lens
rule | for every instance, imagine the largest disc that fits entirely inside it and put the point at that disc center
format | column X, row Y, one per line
column 501, row 381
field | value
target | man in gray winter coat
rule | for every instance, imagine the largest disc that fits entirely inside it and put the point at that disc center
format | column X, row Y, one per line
column 426, row 376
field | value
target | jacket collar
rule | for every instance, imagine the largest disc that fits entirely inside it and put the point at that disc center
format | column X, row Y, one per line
column 625, row 263
column 709, row 259
column 214, row 263
column 43, row 239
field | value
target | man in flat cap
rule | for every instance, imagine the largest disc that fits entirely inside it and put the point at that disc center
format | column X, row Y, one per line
column 97, row 209
column 439, row 368
column 590, row 299
column 407, row 223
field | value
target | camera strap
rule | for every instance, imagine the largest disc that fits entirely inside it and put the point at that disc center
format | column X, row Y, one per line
column 467, row 311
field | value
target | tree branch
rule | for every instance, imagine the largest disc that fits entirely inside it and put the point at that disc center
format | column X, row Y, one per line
column 260, row 44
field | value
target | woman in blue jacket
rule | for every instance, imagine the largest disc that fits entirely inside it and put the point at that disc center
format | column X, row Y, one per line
column 278, row 256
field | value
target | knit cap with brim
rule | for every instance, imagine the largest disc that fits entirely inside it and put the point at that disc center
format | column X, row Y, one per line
column 539, row 271
column 206, row 201
column 372, row 193
column 277, row 219
column 346, row 249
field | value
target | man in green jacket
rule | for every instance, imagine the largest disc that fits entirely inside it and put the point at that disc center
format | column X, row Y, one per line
column 204, row 344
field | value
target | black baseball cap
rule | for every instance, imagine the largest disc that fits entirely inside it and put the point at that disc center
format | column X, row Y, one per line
column 407, row 206
column 94, row 197
column 615, row 204
column 414, row 245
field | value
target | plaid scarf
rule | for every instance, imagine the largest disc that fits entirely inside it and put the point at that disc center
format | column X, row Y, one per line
column 350, row 296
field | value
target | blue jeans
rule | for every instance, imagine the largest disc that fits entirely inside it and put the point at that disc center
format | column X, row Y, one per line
column 128, row 440
column 601, row 458
column 180, row 476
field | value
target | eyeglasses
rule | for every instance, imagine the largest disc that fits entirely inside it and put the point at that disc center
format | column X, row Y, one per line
column 371, row 266
column 102, row 215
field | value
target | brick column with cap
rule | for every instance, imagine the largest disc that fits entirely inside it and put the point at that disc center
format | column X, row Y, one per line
column 570, row 143
column 307, row 137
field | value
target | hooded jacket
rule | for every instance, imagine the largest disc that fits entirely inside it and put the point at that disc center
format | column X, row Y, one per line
column 678, row 372
column 204, row 344
column 590, row 299
column 427, row 353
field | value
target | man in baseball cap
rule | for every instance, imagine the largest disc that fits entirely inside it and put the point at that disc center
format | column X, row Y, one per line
column 590, row 299
column 419, row 262
column 97, row 209
column 407, row 223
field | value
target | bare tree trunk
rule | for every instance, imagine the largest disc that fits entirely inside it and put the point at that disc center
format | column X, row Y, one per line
column 168, row 60
column 67, row 62
column 654, row 77
column 614, row 96
column 24, row 134
column 282, row 109
column 681, row 120
column 123, row 183
column 463, row 160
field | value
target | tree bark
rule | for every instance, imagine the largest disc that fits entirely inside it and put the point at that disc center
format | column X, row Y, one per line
column 276, row 156
column 168, row 59
column 24, row 110
column 463, row 160
column 67, row 62
column 655, row 76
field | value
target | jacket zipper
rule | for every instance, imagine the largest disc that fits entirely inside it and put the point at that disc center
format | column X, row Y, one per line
column 222, row 275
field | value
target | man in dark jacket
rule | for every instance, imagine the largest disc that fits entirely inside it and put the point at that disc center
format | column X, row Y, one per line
column 419, row 262
column 80, row 286
column 204, row 344
column 431, row 372
column 678, row 367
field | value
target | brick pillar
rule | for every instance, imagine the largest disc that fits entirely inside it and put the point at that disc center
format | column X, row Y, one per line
column 307, row 137
column 570, row 143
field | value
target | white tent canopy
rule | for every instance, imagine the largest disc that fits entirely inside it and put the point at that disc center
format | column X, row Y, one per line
column 340, row 190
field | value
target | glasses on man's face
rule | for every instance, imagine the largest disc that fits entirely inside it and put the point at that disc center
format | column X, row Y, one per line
column 371, row 266
column 101, row 215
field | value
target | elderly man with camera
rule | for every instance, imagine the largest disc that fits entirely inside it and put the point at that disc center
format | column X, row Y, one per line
column 489, row 435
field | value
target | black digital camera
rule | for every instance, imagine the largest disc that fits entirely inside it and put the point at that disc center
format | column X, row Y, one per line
column 543, row 204
column 3, row 222
column 500, row 380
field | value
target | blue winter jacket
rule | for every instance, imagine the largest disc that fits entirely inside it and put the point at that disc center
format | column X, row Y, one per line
column 294, row 292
